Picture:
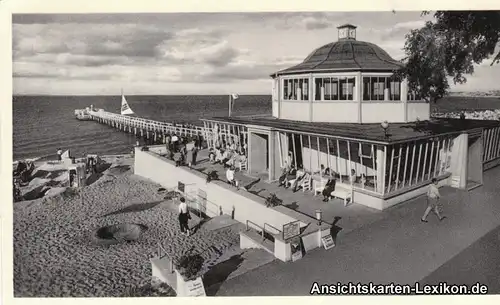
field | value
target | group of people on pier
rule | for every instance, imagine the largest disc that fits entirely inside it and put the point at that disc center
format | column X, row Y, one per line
column 183, row 150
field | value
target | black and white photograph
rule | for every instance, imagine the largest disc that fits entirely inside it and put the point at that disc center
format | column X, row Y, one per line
column 255, row 153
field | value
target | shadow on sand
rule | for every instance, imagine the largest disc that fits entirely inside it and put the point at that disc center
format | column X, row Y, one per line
column 36, row 193
column 47, row 174
column 118, row 170
column 137, row 207
column 219, row 273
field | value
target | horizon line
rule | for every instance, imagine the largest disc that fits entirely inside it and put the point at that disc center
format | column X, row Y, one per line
column 137, row 94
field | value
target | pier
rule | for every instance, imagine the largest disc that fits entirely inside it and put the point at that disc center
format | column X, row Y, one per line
column 213, row 132
column 145, row 127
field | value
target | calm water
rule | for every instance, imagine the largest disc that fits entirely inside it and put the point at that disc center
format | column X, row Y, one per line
column 41, row 124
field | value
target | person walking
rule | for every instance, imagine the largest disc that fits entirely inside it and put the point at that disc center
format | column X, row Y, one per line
column 184, row 217
column 433, row 197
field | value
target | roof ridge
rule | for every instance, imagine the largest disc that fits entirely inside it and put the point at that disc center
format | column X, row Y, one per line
column 327, row 55
column 353, row 56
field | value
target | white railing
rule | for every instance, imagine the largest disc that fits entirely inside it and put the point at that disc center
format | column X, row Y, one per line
column 147, row 124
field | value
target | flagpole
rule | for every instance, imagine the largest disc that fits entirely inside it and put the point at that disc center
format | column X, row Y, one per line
column 230, row 106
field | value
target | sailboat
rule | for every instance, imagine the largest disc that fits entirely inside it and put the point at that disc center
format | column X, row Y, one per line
column 125, row 109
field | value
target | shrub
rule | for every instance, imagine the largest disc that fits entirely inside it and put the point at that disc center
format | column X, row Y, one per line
column 148, row 290
column 212, row 176
column 272, row 200
column 189, row 266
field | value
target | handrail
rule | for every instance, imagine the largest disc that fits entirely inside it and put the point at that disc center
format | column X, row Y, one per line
column 261, row 229
column 162, row 250
column 279, row 231
column 148, row 124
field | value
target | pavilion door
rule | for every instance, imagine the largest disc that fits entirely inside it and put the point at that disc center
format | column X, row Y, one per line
column 474, row 161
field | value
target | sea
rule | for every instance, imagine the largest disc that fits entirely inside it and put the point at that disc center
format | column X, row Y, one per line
column 42, row 124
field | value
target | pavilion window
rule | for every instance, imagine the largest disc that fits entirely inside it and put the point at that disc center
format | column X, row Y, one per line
column 328, row 95
column 379, row 88
column 351, row 82
column 395, row 90
column 335, row 89
column 366, row 89
column 343, row 89
column 285, row 89
column 374, row 89
column 318, row 88
column 295, row 89
column 299, row 90
column 305, row 90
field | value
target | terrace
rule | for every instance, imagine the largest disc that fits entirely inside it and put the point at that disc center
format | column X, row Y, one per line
column 344, row 218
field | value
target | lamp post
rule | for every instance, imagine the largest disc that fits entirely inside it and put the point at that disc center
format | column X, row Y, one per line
column 384, row 126
column 318, row 216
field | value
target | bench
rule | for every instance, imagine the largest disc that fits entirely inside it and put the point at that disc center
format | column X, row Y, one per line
column 342, row 190
column 305, row 184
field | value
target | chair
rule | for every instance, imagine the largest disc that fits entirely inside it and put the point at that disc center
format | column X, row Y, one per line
column 243, row 165
column 306, row 184
column 298, row 174
column 320, row 186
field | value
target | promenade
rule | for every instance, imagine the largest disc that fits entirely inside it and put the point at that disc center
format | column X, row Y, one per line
column 398, row 248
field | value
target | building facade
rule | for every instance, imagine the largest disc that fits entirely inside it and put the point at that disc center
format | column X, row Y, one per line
column 347, row 81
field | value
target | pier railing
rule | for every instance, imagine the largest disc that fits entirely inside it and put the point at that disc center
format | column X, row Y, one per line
column 136, row 124
column 214, row 133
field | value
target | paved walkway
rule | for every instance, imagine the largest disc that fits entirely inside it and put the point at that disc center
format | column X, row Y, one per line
column 397, row 248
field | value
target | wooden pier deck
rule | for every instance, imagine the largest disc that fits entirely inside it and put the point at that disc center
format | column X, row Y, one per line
column 214, row 133
column 145, row 127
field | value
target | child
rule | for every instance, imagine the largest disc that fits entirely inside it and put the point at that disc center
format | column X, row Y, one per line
column 433, row 196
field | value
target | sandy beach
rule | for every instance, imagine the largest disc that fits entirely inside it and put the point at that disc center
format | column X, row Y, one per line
column 54, row 237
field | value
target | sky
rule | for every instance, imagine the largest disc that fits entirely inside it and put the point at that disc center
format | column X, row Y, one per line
column 191, row 53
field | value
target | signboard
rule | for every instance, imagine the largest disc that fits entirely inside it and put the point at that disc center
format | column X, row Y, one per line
column 194, row 288
column 296, row 249
column 291, row 229
column 327, row 242
column 181, row 187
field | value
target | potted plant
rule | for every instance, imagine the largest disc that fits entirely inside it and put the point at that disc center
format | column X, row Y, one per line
column 272, row 200
column 212, row 176
column 189, row 266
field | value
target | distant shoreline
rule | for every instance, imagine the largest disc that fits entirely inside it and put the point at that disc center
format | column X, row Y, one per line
column 128, row 95
column 176, row 95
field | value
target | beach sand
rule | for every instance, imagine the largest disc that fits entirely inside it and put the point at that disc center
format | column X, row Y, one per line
column 55, row 253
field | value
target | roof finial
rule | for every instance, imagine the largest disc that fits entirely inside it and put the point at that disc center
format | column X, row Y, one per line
column 347, row 31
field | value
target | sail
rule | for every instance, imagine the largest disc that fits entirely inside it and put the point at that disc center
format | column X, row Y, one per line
column 125, row 107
